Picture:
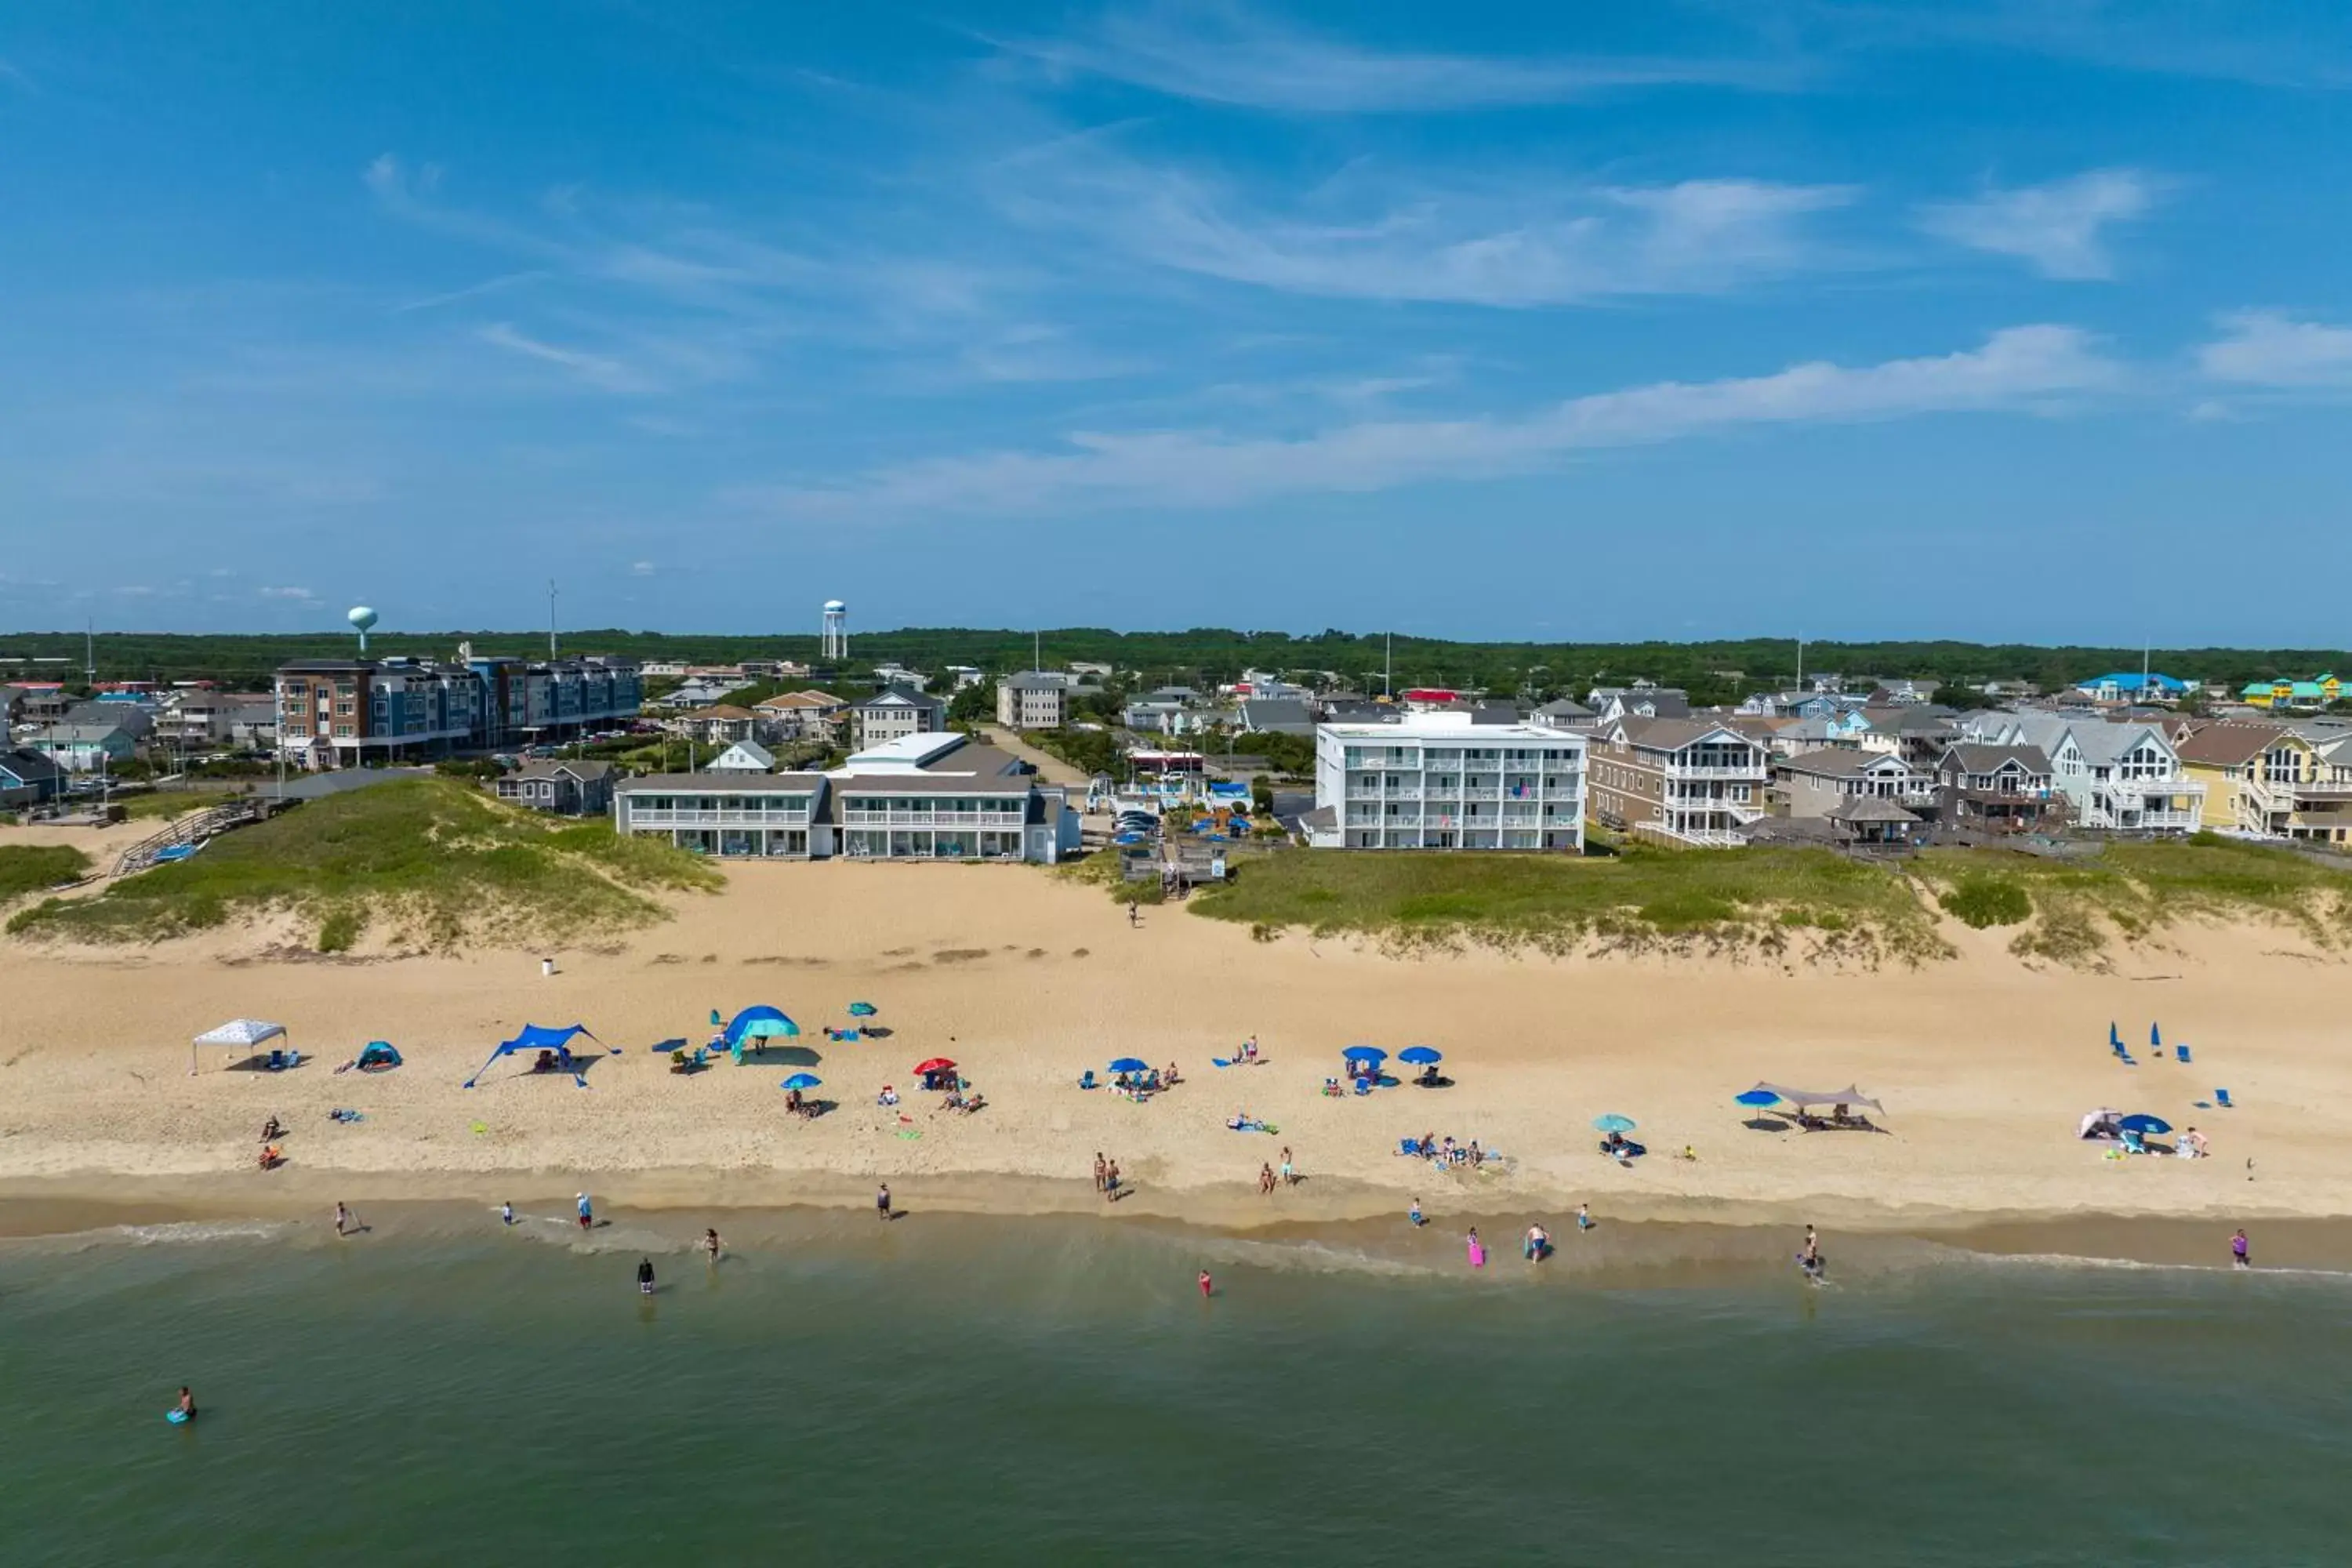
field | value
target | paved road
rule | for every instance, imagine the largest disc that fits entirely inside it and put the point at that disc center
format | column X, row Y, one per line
column 1050, row 768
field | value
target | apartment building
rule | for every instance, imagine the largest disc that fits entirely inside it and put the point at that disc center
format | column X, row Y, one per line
column 342, row 712
column 2123, row 777
column 1437, row 781
column 1689, row 781
column 2267, row 782
column 1033, row 700
column 925, row 797
column 893, row 712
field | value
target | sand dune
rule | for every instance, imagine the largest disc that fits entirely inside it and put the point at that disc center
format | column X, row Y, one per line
column 1984, row 1065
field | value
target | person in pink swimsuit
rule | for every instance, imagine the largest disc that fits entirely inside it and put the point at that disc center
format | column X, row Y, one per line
column 1477, row 1249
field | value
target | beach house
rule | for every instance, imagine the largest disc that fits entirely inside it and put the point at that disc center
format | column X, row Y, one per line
column 86, row 748
column 2267, row 780
column 801, row 715
column 2279, row 696
column 1687, row 780
column 742, row 757
column 1997, row 789
column 29, row 778
column 563, row 787
column 1440, row 781
column 2121, row 777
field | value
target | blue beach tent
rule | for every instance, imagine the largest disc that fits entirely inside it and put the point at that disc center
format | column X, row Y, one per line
column 537, row 1037
column 761, row 1024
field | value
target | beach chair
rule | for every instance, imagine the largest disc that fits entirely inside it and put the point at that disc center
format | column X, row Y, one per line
column 2221, row 1098
column 1364, row 1086
column 1408, row 1145
column 2132, row 1143
column 1087, row 1079
column 2180, row 1053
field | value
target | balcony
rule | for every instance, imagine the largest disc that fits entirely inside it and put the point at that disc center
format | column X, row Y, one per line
column 641, row 817
column 1756, row 771
column 933, row 819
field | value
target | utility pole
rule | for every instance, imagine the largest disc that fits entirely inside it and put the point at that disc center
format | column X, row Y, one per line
column 551, row 617
column 1388, row 669
column 88, row 656
column 1801, row 662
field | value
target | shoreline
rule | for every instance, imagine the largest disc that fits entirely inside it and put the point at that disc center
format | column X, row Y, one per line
column 657, row 1211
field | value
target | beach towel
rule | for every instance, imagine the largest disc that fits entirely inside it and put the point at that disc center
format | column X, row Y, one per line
column 1220, row 1062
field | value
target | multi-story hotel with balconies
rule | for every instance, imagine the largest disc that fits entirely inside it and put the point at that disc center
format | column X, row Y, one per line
column 1439, row 780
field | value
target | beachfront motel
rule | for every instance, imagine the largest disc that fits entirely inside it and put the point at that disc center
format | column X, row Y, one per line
column 1443, row 780
column 917, row 797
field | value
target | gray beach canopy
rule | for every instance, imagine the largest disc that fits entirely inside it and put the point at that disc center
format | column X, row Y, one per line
column 247, row 1033
column 1849, row 1095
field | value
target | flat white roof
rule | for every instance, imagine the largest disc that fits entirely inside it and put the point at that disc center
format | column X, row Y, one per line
column 905, row 754
column 1449, row 727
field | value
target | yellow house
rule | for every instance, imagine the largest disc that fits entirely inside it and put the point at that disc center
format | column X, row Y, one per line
column 2268, row 781
column 2279, row 694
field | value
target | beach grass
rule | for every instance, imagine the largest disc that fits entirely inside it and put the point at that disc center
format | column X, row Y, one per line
column 426, row 862
column 37, row 867
column 1644, row 896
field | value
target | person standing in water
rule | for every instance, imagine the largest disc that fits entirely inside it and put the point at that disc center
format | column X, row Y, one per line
column 711, row 1243
column 187, row 1405
column 506, row 1213
column 1208, row 1286
column 2241, row 1251
column 1475, row 1248
column 1413, row 1214
column 644, row 1276
column 343, row 1220
column 882, row 1202
column 1583, row 1216
column 587, row 1210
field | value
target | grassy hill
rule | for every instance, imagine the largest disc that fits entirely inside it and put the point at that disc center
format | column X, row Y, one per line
column 35, row 868
column 1773, row 900
column 427, row 862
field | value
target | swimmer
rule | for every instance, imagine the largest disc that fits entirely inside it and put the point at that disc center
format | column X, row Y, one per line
column 644, row 1276
column 186, row 1408
column 711, row 1243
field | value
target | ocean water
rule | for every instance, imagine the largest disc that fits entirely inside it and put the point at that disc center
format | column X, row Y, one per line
column 969, row 1391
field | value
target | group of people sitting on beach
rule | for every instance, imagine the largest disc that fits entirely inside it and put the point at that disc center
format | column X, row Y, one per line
column 1445, row 1152
column 1135, row 1085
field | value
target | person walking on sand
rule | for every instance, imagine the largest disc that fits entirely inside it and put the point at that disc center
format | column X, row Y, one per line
column 587, row 1210
column 1289, row 1171
column 1266, row 1181
column 1102, row 1172
column 1134, row 917
column 2241, row 1252
column 1413, row 1214
column 343, row 1220
column 1110, row 1182
column 882, row 1202
column 1583, row 1216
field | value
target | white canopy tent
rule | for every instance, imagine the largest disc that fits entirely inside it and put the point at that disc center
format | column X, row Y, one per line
column 245, row 1033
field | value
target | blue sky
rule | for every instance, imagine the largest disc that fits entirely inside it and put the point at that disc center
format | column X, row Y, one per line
column 1987, row 318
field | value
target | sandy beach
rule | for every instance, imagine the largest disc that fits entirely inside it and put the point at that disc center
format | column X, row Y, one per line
column 1984, row 1063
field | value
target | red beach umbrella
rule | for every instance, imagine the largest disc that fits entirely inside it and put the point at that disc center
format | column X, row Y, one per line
column 936, row 1064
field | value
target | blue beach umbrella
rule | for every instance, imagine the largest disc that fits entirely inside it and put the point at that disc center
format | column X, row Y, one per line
column 2144, row 1122
column 1129, row 1064
column 1758, row 1099
column 1612, row 1122
column 1421, row 1056
column 803, row 1080
column 861, row 1009
column 1365, row 1054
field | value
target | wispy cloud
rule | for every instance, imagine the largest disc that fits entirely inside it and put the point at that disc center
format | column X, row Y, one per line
column 1231, row 54
column 299, row 595
column 1372, row 234
column 2059, row 227
column 595, row 370
column 505, row 280
column 2021, row 368
column 2265, row 348
column 641, row 568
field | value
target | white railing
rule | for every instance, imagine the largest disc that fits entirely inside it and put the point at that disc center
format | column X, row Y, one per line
column 933, row 819
column 639, row 816
column 1480, row 791
column 1754, row 772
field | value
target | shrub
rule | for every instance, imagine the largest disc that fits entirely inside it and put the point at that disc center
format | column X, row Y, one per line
column 1982, row 901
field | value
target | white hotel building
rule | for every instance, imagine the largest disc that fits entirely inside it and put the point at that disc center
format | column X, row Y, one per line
column 1438, row 781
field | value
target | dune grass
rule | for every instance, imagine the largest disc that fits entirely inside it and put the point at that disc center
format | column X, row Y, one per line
column 170, row 802
column 1644, row 896
column 37, row 867
column 429, row 861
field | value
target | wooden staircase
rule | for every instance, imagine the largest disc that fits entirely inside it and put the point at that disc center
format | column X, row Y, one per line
column 194, row 828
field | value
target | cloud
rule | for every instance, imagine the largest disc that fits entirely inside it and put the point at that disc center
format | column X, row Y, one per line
column 641, row 568
column 299, row 595
column 2264, row 348
column 596, row 369
column 2021, row 368
column 473, row 291
column 2056, row 226
column 1374, row 235
column 1223, row 54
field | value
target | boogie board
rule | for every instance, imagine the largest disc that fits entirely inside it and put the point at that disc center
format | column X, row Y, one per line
column 176, row 1417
